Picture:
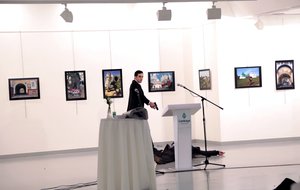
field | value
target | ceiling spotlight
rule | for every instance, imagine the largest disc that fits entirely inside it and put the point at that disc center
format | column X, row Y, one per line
column 214, row 13
column 164, row 14
column 67, row 15
column 259, row 24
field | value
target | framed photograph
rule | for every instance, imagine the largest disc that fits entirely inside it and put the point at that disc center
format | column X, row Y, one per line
column 247, row 77
column 24, row 88
column 75, row 85
column 205, row 79
column 161, row 81
column 112, row 83
column 284, row 74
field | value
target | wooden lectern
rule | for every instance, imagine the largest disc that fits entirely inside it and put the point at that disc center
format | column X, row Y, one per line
column 182, row 132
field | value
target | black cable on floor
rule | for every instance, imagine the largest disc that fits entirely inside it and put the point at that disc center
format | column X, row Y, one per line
column 159, row 172
column 234, row 167
column 69, row 187
column 262, row 166
column 80, row 185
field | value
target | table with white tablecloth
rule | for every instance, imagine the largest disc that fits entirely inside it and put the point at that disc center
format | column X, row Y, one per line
column 125, row 159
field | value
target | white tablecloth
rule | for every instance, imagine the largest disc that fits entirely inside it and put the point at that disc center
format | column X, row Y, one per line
column 125, row 160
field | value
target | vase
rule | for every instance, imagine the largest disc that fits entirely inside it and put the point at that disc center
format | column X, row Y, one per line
column 108, row 113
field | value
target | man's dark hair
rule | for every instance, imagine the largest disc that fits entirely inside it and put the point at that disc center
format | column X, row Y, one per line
column 136, row 73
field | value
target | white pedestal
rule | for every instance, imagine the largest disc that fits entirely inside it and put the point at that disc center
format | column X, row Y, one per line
column 182, row 132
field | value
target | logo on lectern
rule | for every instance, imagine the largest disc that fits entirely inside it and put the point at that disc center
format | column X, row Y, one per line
column 184, row 119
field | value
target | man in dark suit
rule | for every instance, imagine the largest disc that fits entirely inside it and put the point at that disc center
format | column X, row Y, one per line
column 138, row 99
column 136, row 93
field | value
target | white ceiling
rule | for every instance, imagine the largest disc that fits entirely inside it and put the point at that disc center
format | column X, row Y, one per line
column 238, row 8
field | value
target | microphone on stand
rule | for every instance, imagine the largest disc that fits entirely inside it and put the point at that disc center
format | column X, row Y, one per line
column 180, row 85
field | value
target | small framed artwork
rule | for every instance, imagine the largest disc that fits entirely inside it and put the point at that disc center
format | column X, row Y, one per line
column 161, row 81
column 284, row 74
column 247, row 77
column 24, row 88
column 204, row 79
column 112, row 83
column 75, row 85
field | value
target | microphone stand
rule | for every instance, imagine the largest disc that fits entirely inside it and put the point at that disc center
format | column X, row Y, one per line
column 206, row 162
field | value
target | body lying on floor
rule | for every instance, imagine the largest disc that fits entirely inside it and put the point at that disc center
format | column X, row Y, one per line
column 167, row 155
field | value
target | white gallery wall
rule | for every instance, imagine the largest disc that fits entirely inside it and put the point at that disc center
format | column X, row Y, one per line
column 258, row 113
column 36, row 42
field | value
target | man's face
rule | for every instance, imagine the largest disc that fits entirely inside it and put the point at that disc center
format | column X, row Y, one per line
column 139, row 77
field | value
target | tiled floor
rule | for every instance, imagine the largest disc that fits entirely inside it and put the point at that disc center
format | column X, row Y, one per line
column 252, row 166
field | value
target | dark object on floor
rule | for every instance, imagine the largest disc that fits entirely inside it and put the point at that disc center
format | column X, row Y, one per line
column 168, row 154
column 164, row 156
column 285, row 184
